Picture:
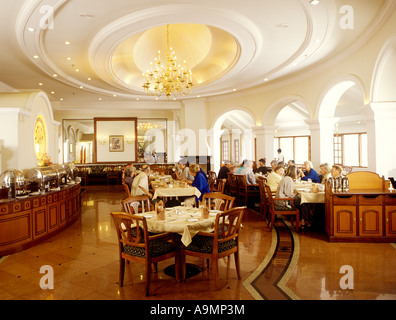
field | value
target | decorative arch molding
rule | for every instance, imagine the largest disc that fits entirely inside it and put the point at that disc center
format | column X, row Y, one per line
column 216, row 124
column 384, row 75
column 334, row 91
column 273, row 110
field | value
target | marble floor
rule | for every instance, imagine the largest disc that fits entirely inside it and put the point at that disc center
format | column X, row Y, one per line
column 275, row 265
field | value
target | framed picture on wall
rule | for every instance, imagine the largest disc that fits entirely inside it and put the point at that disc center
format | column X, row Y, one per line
column 116, row 143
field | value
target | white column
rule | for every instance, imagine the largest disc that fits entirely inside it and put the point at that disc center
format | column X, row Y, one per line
column 322, row 140
column 268, row 140
column 383, row 139
column 260, row 142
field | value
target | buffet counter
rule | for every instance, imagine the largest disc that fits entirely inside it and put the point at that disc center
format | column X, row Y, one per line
column 364, row 213
column 26, row 221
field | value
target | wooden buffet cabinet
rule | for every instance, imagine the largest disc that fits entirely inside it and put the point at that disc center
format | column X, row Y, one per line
column 366, row 213
column 26, row 222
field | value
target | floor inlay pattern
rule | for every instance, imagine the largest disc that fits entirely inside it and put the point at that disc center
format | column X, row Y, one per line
column 268, row 282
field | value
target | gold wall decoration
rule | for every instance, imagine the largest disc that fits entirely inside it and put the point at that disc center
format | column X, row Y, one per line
column 40, row 140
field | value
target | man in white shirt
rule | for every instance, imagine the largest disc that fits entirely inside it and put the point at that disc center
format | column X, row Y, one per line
column 281, row 157
column 275, row 177
column 140, row 185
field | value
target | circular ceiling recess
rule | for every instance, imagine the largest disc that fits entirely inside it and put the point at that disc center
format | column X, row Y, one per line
column 209, row 52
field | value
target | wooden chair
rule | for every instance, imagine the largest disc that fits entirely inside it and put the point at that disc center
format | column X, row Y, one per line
column 263, row 198
column 273, row 209
column 218, row 201
column 137, row 245
column 212, row 180
column 219, row 244
column 232, row 182
column 126, row 189
column 131, row 204
column 113, row 175
column 245, row 192
column 221, row 185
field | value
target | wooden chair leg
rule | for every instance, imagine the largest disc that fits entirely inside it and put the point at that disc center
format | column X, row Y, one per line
column 183, row 267
column 148, row 278
column 272, row 221
column 215, row 264
column 122, row 270
column 237, row 267
column 177, row 268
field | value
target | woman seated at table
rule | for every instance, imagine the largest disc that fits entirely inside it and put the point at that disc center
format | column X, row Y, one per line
column 275, row 177
column 185, row 172
column 140, row 185
column 285, row 190
column 324, row 170
column 309, row 173
column 130, row 173
column 200, row 182
column 248, row 172
column 336, row 171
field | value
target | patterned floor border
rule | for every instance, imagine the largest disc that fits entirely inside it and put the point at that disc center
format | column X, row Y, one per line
column 279, row 285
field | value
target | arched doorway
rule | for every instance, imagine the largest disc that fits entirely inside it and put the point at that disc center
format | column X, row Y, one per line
column 342, row 110
column 233, row 137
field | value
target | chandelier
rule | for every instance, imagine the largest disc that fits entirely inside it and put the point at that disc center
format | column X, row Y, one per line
column 171, row 79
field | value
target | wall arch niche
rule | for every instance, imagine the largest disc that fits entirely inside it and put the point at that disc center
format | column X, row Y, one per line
column 233, row 130
column 343, row 121
column 291, row 132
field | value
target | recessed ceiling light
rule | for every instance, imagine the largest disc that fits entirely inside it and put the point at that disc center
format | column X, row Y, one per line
column 40, row 84
column 89, row 79
column 67, row 43
column 81, row 87
column 114, row 95
column 100, row 99
column 61, row 99
column 314, row 2
column 266, row 79
column 52, row 92
column 36, row 57
column 234, row 90
column 31, row 29
column 77, row 70
column 68, row 58
column 55, row 75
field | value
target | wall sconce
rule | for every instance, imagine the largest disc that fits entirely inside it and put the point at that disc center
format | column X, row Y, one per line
column 129, row 139
column 102, row 140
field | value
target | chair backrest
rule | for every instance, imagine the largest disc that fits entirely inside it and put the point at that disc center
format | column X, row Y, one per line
column 221, row 184
column 131, row 230
column 228, row 225
column 212, row 174
column 218, row 201
column 131, row 204
column 268, row 196
column 126, row 189
column 241, row 183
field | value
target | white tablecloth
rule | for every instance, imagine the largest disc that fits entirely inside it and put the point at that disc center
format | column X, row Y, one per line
column 176, row 192
column 185, row 221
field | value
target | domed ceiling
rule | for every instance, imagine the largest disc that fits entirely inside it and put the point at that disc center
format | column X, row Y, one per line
column 82, row 51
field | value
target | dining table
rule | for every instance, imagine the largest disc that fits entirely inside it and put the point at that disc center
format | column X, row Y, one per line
column 166, row 190
column 305, row 191
column 183, row 220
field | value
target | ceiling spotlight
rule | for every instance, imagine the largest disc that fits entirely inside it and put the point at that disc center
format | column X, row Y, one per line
column 67, row 43
column 35, row 57
column 31, row 29
column 314, row 2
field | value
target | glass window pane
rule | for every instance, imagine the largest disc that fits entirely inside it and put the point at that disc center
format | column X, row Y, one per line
column 301, row 145
column 286, row 144
column 351, row 150
column 276, row 147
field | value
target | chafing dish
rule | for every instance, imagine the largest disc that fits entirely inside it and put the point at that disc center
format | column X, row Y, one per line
column 61, row 173
column 14, row 181
column 44, row 177
column 70, row 169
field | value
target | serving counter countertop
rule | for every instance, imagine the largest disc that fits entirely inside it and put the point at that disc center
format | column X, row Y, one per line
column 29, row 220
